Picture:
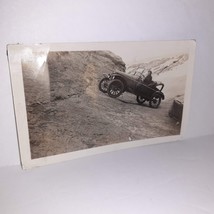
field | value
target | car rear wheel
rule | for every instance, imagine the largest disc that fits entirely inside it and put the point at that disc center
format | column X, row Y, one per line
column 155, row 101
column 140, row 99
column 103, row 84
column 115, row 88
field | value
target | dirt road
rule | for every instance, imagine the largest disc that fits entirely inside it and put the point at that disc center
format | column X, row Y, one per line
column 80, row 123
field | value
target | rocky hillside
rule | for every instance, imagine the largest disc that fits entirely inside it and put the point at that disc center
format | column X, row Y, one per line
column 67, row 74
column 80, row 72
column 159, row 66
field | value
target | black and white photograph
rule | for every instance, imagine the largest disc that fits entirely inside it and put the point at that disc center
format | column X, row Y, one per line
column 99, row 95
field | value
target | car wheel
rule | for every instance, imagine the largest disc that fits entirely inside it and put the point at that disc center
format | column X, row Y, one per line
column 155, row 101
column 115, row 88
column 140, row 99
column 103, row 84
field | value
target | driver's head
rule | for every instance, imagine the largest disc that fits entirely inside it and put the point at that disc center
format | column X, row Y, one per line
column 149, row 72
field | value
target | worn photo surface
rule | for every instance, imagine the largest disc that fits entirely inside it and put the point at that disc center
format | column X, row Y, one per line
column 83, row 99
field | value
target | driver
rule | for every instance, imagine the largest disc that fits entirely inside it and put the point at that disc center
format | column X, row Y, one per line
column 148, row 80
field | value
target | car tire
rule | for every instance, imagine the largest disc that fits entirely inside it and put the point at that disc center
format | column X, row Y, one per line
column 155, row 101
column 103, row 84
column 115, row 88
column 140, row 99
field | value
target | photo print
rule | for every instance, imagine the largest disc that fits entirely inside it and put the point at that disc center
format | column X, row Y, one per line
column 78, row 99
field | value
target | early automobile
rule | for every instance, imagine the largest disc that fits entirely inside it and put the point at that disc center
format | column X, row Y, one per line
column 116, row 83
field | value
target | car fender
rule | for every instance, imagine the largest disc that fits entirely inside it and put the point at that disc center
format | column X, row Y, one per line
column 121, row 79
column 160, row 93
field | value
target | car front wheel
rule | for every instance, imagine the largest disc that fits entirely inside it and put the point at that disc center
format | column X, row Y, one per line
column 103, row 84
column 115, row 88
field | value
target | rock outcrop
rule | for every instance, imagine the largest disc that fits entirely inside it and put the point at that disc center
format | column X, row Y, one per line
column 66, row 74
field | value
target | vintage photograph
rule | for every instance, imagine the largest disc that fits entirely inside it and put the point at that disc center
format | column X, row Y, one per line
column 80, row 99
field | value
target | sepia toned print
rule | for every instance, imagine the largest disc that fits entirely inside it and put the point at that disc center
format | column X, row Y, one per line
column 83, row 99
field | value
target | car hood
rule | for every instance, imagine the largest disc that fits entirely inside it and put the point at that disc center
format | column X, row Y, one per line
column 127, row 75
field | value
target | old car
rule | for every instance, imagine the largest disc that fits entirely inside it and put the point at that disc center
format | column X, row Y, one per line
column 116, row 83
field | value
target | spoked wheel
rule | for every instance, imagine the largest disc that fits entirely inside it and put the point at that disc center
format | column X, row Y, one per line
column 140, row 99
column 103, row 85
column 115, row 88
column 155, row 101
